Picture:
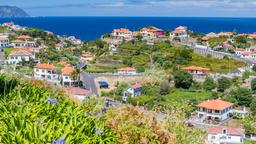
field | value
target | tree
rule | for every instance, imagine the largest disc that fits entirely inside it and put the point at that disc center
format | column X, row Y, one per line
column 253, row 85
column 253, row 105
column 183, row 79
column 243, row 96
column 165, row 88
column 254, row 68
column 245, row 75
column 223, row 84
column 209, row 84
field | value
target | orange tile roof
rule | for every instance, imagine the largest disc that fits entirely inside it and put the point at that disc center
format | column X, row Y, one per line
column 205, row 38
column 229, row 130
column 24, row 37
column 45, row 66
column 127, row 69
column 215, row 104
column 18, row 41
column 3, row 38
column 59, row 45
column 195, row 68
column 247, row 53
column 67, row 70
column 21, row 52
column 78, row 91
column 239, row 49
column 122, row 30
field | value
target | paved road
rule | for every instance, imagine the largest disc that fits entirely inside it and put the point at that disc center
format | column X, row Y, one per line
column 89, row 79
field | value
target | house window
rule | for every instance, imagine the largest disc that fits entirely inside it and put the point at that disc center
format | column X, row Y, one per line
column 37, row 70
column 43, row 71
column 66, row 77
column 213, row 137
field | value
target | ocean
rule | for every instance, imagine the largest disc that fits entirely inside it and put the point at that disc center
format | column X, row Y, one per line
column 89, row 28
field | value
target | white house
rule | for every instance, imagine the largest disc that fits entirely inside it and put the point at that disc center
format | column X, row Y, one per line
column 45, row 71
column 17, row 56
column 18, row 43
column 66, row 76
column 127, row 71
column 180, row 33
column 122, row 34
column 239, row 51
column 59, row 46
column 133, row 91
column 7, row 24
column 4, row 42
column 216, row 110
column 196, row 71
column 225, row 135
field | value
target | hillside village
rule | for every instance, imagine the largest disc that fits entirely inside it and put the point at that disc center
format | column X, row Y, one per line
column 212, row 74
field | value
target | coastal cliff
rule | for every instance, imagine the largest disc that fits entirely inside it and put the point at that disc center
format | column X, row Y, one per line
column 12, row 12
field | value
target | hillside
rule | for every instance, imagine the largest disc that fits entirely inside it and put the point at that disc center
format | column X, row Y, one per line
column 12, row 12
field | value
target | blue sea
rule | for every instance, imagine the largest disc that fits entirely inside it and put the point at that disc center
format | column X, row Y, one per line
column 89, row 28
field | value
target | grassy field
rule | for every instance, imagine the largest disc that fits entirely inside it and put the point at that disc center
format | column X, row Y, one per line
column 7, row 51
column 179, row 96
column 164, row 56
column 216, row 65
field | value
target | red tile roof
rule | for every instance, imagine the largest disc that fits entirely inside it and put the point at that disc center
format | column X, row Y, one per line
column 24, row 37
column 195, row 68
column 127, row 69
column 21, row 52
column 45, row 66
column 229, row 131
column 3, row 38
column 78, row 91
column 67, row 70
column 122, row 30
column 215, row 104
column 239, row 49
column 135, row 86
column 205, row 38
column 18, row 41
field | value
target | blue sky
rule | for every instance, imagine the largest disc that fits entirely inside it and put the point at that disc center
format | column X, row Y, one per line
column 185, row 8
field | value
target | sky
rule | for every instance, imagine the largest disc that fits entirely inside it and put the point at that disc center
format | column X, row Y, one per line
column 172, row 8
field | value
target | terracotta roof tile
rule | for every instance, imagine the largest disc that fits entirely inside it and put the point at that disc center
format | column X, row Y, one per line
column 215, row 104
column 45, row 66
column 67, row 70
column 127, row 69
column 193, row 68
column 135, row 86
column 229, row 131
column 78, row 91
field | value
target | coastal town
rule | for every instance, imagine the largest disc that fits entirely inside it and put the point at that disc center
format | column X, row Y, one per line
column 213, row 74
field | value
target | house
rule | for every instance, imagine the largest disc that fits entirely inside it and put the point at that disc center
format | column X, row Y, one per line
column 227, row 46
column 122, row 34
column 248, row 55
column 103, row 85
column 59, row 46
column 8, row 24
column 133, row 91
column 241, row 112
column 4, row 42
column 180, row 33
column 205, row 39
column 218, row 48
column 196, row 71
column 211, row 35
column 127, row 71
column 45, row 71
column 225, row 135
column 216, row 110
column 67, row 79
column 252, row 36
column 24, row 37
column 239, row 51
column 153, row 30
column 228, row 34
column 81, row 95
column 18, row 43
column 20, row 55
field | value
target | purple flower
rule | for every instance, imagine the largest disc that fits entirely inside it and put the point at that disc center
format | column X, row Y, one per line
column 52, row 100
column 104, row 109
column 58, row 141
